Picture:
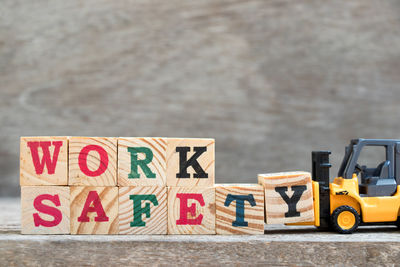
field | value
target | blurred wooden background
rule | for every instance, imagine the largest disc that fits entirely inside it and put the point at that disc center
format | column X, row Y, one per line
column 270, row 80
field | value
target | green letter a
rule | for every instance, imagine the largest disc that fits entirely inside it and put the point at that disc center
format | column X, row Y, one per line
column 143, row 163
column 138, row 210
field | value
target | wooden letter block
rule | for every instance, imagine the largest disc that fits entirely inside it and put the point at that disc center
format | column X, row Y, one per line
column 93, row 161
column 142, row 161
column 143, row 210
column 44, row 161
column 94, row 210
column 288, row 197
column 190, row 162
column 240, row 209
column 45, row 210
column 191, row 210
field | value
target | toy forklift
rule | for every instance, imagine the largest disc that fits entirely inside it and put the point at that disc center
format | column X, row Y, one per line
column 360, row 195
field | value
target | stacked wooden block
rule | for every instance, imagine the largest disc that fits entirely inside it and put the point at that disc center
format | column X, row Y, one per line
column 102, row 185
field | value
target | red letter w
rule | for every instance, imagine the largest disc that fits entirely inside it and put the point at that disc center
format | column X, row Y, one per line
column 46, row 159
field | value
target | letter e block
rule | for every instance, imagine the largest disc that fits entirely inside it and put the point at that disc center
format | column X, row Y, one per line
column 94, row 210
column 45, row 210
column 142, row 161
column 143, row 210
column 43, row 161
column 288, row 197
column 190, row 162
column 240, row 209
column 93, row 161
column 191, row 210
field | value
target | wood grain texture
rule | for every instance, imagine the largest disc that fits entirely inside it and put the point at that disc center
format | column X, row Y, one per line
column 158, row 165
column 208, row 211
column 28, row 195
column 253, row 215
column 28, row 174
column 108, row 177
column 109, row 201
column 156, row 224
column 206, row 160
column 276, row 207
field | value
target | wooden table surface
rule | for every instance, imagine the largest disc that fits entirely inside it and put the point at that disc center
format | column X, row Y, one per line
column 280, row 245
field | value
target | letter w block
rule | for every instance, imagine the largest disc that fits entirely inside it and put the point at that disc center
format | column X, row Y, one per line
column 43, row 161
column 288, row 197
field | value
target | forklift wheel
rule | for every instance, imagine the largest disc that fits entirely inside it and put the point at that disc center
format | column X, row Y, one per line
column 345, row 220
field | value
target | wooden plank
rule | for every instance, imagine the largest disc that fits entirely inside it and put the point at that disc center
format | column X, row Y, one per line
column 45, row 210
column 143, row 210
column 43, row 160
column 94, row 210
column 191, row 210
column 288, row 197
column 93, row 161
column 142, row 161
column 239, row 209
column 190, row 162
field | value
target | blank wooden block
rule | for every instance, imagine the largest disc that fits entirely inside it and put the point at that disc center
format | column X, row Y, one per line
column 190, row 162
column 191, row 210
column 93, row 161
column 240, row 209
column 142, row 161
column 288, row 197
column 44, row 160
column 45, row 210
column 94, row 210
column 143, row 210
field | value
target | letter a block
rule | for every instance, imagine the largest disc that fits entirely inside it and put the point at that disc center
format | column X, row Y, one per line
column 191, row 210
column 93, row 161
column 44, row 161
column 45, row 210
column 190, row 162
column 94, row 210
column 142, row 161
column 288, row 197
column 143, row 210
column 240, row 209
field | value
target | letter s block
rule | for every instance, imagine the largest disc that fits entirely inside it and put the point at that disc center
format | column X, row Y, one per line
column 43, row 161
column 288, row 197
column 93, row 161
column 240, row 209
column 191, row 210
column 45, row 210
column 142, row 161
column 190, row 162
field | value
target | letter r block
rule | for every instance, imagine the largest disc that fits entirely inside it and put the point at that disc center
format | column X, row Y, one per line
column 190, row 162
column 288, row 197
column 142, row 161
column 93, row 161
column 143, row 210
column 191, row 210
column 94, row 210
column 240, row 209
column 43, row 161
column 45, row 210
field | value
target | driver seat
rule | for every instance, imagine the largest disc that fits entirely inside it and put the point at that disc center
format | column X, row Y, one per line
column 379, row 184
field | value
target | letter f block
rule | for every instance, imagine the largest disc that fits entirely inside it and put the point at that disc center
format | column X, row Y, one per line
column 288, row 197
column 43, row 161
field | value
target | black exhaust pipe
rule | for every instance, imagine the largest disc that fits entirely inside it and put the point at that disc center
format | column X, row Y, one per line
column 320, row 174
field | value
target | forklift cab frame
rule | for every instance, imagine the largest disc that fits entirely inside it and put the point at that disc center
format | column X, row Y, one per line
column 379, row 181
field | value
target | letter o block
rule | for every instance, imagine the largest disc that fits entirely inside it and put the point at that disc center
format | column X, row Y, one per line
column 45, row 210
column 142, row 161
column 190, row 162
column 93, row 161
column 191, row 210
column 288, row 197
column 240, row 209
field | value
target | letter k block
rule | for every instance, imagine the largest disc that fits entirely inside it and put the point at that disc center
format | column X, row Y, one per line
column 190, row 162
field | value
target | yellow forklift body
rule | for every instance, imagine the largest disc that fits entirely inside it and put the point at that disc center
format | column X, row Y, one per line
column 372, row 209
